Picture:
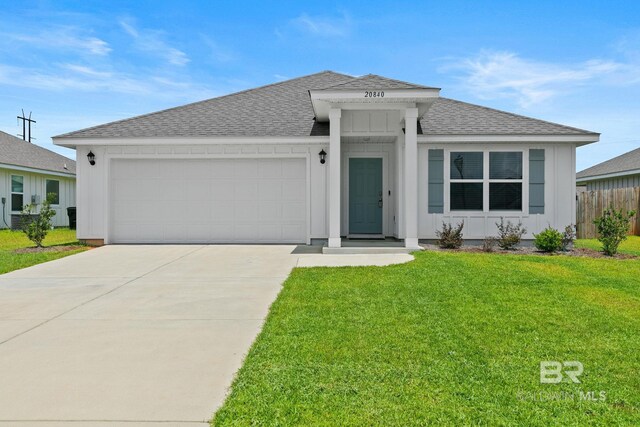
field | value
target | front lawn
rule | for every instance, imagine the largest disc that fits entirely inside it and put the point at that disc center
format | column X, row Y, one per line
column 630, row 246
column 449, row 339
column 10, row 241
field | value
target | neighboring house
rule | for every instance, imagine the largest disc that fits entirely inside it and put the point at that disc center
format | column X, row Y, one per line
column 28, row 173
column 620, row 172
column 250, row 167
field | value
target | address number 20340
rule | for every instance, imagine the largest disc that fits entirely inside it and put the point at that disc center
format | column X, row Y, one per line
column 373, row 94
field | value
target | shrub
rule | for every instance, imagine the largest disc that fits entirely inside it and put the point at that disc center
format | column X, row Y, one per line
column 450, row 237
column 568, row 237
column 612, row 228
column 549, row 240
column 488, row 244
column 509, row 235
column 37, row 225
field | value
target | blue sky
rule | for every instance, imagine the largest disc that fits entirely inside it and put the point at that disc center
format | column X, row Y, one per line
column 78, row 64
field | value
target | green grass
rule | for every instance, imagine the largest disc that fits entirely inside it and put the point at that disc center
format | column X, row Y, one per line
column 12, row 240
column 630, row 246
column 449, row 339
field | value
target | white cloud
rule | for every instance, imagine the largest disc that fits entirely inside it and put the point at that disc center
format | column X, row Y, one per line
column 218, row 52
column 151, row 41
column 507, row 75
column 81, row 78
column 64, row 38
column 323, row 26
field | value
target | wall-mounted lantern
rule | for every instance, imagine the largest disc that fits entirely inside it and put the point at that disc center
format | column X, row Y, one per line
column 92, row 158
column 323, row 156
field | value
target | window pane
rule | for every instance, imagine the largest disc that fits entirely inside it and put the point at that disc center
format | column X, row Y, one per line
column 16, row 202
column 54, row 187
column 17, row 183
column 505, row 196
column 466, row 197
column 466, row 165
column 505, row 165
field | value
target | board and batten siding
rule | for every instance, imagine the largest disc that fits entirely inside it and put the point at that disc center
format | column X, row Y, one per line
column 559, row 192
column 35, row 185
column 617, row 182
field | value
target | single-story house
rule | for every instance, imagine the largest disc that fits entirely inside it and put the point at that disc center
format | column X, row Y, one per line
column 28, row 173
column 324, row 157
column 620, row 172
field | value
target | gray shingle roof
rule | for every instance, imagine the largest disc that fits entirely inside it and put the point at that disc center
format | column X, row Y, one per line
column 373, row 81
column 15, row 151
column 285, row 109
column 623, row 163
column 451, row 117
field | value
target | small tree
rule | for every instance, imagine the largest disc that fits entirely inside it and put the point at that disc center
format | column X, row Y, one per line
column 509, row 235
column 612, row 228
column 450, row 237
column 37, row 225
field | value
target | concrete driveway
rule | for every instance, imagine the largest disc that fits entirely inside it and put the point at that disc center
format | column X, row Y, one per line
column 122, row 335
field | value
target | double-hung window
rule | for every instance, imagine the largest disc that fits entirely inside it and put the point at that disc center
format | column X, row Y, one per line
column 17, row 193
column 466, row 185
column 505, row 181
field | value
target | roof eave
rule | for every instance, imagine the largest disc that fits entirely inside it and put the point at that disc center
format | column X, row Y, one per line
column 588, row 178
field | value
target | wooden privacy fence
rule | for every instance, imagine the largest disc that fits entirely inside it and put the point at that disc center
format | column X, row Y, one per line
column 591, row 204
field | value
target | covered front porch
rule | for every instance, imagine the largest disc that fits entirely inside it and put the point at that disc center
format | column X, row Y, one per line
column 373, row 180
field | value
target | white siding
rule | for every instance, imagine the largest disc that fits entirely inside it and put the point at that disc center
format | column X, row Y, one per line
column 35, row 185
column 93, row 187
column 560, row 192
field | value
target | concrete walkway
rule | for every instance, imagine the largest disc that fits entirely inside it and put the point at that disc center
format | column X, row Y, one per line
column 128, row 335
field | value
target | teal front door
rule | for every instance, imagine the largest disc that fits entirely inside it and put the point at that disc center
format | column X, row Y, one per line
column 365, row 196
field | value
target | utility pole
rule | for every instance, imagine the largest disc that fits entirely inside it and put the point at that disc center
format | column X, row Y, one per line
column 26, row 125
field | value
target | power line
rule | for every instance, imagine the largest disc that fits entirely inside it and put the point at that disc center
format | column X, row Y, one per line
column 26, row 125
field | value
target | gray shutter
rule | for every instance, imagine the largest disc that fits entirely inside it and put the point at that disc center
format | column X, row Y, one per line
column 436, row 181
column 536, row 181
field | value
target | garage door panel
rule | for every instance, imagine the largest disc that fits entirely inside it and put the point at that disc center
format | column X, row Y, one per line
column 246, row 189
column 208, row 200
column 293, row 189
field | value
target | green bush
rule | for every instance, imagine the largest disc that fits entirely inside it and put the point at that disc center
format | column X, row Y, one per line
column 450, row 237
column 549, row 240
column 36, row 225
column 612, row 228
column 509, row 235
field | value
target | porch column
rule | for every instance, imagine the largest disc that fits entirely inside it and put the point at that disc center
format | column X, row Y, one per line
column 411, row 178
column 334, row 177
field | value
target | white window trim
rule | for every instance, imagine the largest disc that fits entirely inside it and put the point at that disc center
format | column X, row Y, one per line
column 486, row 181
column 17, row 192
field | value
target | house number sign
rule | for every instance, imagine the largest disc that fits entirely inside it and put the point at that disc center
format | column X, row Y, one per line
column 373, row 94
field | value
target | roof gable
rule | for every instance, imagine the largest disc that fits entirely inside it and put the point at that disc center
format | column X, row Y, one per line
column 623, row 163
column 17, row 152
column 373, row 81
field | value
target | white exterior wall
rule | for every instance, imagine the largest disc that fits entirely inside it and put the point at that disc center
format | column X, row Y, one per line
column 384, row 141
column 35, row 185
column 93, row 214
column 560, row 192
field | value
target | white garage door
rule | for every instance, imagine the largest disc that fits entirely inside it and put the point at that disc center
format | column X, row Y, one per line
column 208, row 201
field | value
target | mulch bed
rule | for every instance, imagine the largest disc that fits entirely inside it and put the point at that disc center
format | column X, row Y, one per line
column 47, row 249
column 530, row 250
